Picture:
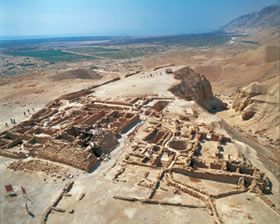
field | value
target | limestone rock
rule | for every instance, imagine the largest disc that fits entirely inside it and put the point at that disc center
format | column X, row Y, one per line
column 258, row 104
column 196, row 87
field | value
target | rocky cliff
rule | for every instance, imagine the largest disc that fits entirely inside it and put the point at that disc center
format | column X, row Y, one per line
column 266, row 18
column 196, row 87
column 258, row 104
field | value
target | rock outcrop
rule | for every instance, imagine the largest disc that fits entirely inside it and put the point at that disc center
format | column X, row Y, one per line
column 258, row 103
column 196, row 87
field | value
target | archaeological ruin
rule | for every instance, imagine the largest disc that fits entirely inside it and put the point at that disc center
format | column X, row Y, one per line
column 173, row 153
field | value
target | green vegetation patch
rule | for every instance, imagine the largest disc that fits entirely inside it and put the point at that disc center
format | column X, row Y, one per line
column 94, row 50
column 112, row 53
column 250, row 42
column 51, row 55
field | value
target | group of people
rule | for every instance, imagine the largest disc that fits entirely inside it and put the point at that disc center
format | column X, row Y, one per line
column 151, row 75
column 13, row 121
column 28, row 111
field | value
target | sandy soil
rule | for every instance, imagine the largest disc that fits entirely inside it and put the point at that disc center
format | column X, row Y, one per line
column 26, row 92
column 144, row 83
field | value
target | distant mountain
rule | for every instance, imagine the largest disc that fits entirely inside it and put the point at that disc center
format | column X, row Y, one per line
column 268, row 17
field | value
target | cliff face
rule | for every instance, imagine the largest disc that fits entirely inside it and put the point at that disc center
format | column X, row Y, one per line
column 258, row 104
column 196, row 87
column 266, row 18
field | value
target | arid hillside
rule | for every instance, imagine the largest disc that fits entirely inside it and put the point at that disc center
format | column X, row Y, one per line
column 77, row 74
column 266, row 18
column 258, row 104
column 254, row 65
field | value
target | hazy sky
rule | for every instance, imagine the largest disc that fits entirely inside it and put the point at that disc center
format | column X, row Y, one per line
column 120, row 17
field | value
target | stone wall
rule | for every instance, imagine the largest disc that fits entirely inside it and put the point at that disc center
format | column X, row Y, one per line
column 231, row 178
